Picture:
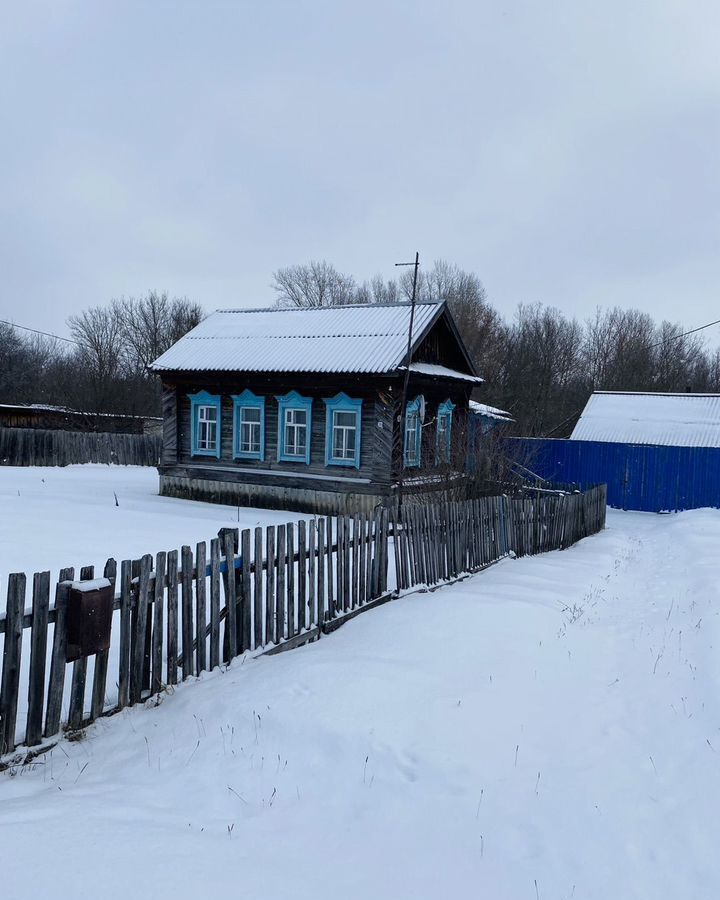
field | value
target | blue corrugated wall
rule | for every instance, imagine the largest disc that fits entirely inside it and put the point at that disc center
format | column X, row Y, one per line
column 650, row 478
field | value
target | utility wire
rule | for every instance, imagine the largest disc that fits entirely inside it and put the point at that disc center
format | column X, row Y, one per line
column 35, row 331
column 674, row 337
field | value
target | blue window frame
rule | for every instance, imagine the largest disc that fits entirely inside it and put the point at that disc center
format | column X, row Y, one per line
column 412, row 450
column 294, row 428
column 343, row 418
column 443, row 431
column 248, row 426
column 205, row 423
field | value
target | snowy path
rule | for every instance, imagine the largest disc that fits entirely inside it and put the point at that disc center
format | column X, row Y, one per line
column 548, row 729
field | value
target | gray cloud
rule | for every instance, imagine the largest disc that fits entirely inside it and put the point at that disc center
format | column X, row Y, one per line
column 564, row 151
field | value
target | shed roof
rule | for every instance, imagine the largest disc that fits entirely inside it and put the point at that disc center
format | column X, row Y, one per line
column 362, row 339
column 674, row 420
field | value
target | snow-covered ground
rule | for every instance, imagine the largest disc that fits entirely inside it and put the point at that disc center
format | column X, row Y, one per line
column 57, row 517
column 77, row 516
column 545, row 730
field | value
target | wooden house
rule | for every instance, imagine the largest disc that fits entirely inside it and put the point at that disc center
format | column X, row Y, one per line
column 301, row 408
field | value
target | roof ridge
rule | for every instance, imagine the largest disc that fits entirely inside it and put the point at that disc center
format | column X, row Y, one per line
column 657, row 393
column 293, row 337
column 264, row 309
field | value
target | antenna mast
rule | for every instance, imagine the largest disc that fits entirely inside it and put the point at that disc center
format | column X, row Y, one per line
column 406, row 379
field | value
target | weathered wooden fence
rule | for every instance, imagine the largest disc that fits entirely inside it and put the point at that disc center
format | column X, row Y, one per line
column 179, row 614
column 46, row 447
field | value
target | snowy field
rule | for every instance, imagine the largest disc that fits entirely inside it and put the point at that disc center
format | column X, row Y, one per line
column 549, row 729
column 57, row 517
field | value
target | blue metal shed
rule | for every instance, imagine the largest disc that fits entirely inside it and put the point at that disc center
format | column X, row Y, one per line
column 656, row 452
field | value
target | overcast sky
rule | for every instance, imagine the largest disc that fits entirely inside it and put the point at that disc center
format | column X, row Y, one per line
column 565, row 151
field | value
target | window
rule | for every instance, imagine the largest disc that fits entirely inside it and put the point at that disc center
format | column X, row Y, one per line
column 249, row 427
column 295, row 432
column 443, row 431
column 205, row 412
column 413, row 430
column 294, row 428
column 342, row 431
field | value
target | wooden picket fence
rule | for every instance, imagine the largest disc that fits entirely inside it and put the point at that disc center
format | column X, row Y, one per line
column 179, row 614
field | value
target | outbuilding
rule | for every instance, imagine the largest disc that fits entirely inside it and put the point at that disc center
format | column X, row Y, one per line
column 655, row 451
column 301, row 408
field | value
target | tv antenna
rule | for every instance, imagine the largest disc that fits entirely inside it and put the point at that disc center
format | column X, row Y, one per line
column 406, row 379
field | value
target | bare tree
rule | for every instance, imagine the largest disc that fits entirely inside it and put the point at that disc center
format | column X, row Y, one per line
column 152, row 324
column 116, row 344
column 313, row 285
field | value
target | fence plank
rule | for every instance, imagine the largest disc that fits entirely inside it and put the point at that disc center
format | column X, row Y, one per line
column 12, row 652
column 172, row 616
column 79, row 673
column 330, row 612
column 56, row 682
column 290, row 578
column 339, row 561
column 312, row 569
column 214, row 603
column 245, row 618
column 281, row 599
column 138, row 663
column 38, row 656
column 201, row 606
column 302, row 575
column 270, row 617
column 158, row 621
column 230, row 597
column 362, row 560
column 125, row 621
column 355, row 583
column 188, row 632
column 258, row 588
column 369, row 559
column 97, row 697
column 385, row 525
column 321, row 610
column 346, row 554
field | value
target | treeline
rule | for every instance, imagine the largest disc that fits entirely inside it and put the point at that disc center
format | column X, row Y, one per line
column 542, row 365
column 104, row 366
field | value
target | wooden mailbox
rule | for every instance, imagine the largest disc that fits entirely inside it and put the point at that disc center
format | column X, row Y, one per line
column 89, row 618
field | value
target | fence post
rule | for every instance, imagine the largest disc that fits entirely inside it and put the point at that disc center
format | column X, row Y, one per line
column 12, row 650
column 38, row 654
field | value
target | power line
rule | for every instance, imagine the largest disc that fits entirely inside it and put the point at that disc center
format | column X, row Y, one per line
column 35, row 331
column 675, row 337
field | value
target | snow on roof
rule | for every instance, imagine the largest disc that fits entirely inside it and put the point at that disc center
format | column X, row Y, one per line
column 492, row 412
column 675, row 420
column 443, row 372
column 367, row 339
column 42, row 407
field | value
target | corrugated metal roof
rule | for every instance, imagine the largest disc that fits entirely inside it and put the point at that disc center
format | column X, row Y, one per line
column 671, row 420
column 364, row 339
